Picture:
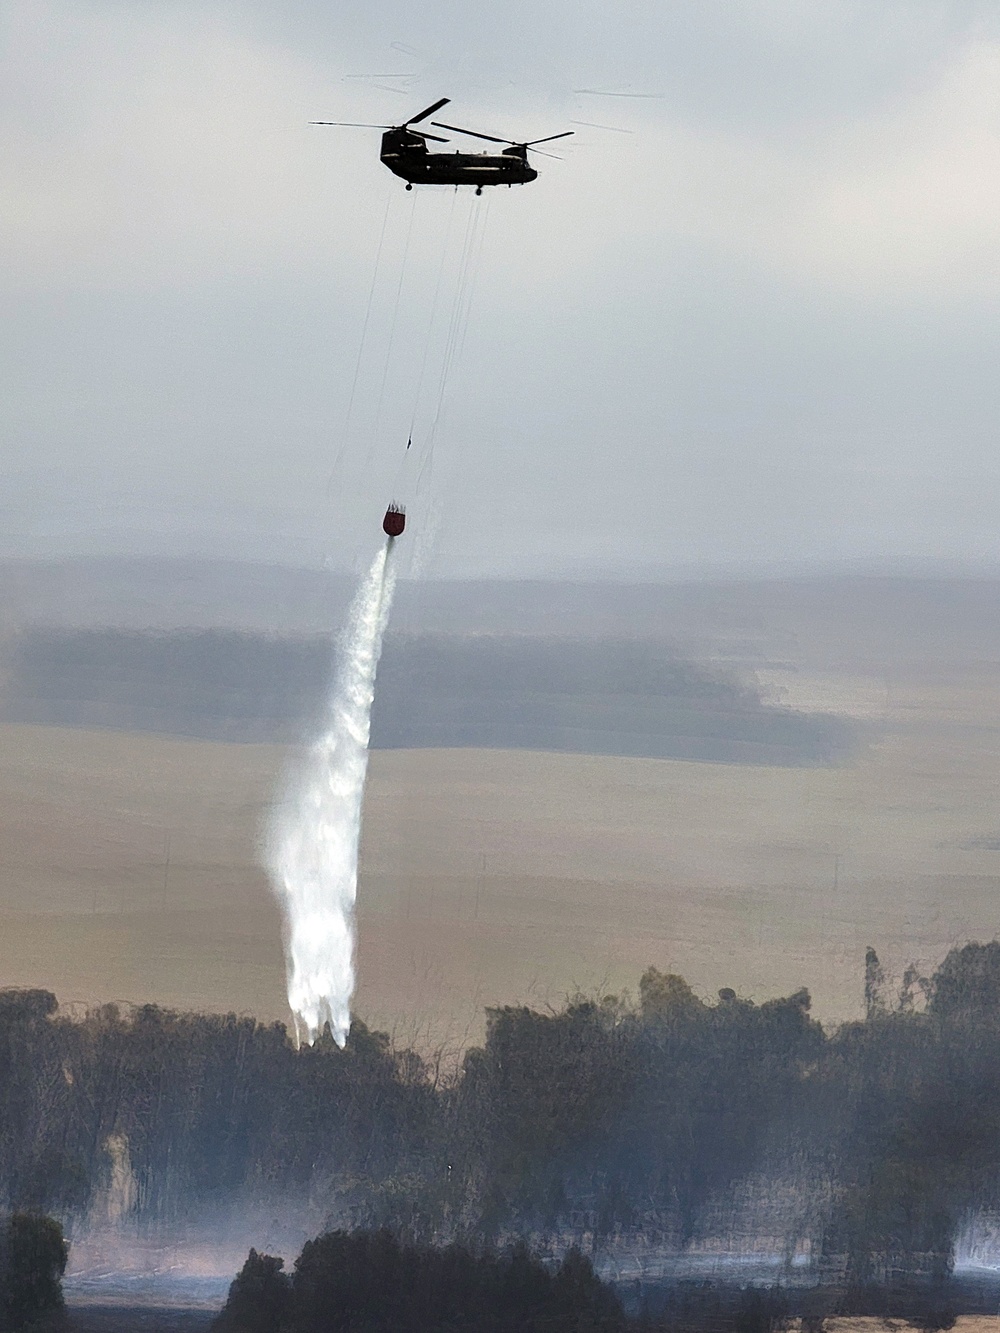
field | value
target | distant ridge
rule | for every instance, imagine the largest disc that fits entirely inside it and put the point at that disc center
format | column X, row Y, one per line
column 828, row 621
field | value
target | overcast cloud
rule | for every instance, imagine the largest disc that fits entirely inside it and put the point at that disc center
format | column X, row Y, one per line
column 759, row 330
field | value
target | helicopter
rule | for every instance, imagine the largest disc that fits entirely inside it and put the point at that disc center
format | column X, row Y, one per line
column 405, row 153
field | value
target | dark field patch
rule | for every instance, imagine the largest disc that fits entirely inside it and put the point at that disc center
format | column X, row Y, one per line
column 575, row 696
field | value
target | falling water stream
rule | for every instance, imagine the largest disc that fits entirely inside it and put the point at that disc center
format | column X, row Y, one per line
column 313, row 847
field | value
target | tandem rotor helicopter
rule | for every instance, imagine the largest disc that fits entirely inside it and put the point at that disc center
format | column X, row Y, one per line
column 405, row 153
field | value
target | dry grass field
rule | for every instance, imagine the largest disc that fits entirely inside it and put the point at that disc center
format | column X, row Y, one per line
column 966, row 1323
column 130, row 866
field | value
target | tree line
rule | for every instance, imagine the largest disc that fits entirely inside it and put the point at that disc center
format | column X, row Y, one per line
column 353, row 1283
column 650, row 1122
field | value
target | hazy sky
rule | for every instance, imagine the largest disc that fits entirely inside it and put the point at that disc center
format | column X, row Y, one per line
column 759, row 329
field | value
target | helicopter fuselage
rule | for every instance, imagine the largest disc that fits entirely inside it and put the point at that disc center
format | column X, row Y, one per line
column 407, row 155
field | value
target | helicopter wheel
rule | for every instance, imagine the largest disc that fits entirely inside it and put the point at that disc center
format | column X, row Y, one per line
column 409, row 185
column 479, row 189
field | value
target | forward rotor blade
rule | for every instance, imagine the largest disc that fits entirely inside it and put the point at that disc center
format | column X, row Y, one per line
column 491, row 138
column 363, row 125
column 428, row 111
column 548, row 138
column 542, row 153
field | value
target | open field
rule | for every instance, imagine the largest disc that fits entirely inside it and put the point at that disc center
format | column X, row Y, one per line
column 163, row 1320
column 133, row 1319
column 130, row 864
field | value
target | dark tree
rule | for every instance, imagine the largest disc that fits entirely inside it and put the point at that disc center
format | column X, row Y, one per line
column 258, row 1297
column 371, row 1282
column 33, row 1257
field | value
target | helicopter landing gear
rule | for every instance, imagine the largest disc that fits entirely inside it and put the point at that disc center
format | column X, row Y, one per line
column 479, row 189
column 409, row 185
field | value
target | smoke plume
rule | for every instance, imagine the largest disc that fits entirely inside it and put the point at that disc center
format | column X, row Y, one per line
column 313, row 855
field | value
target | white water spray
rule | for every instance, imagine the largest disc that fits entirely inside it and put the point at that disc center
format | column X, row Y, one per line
column 313, row 854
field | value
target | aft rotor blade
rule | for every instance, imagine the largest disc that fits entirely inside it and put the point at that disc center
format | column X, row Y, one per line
column 428, row 111
column 548, row 138
column 600, row 92
column 593, row 125
column 492, row 138
column 422, row 134
column 353, row 124
column 542, row 153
